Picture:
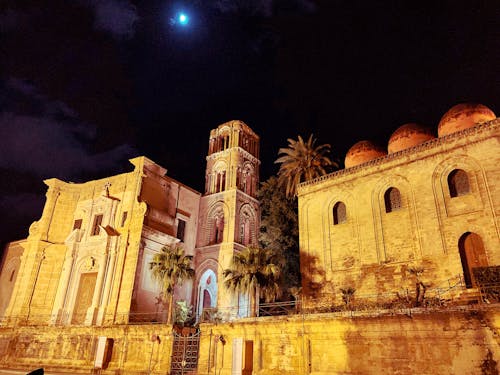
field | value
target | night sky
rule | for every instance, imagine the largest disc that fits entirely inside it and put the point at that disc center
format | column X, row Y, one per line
column 87, row 84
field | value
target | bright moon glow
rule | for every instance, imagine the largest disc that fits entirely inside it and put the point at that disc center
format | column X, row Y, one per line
column 183, row 19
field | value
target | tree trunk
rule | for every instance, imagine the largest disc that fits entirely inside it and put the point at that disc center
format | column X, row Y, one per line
column 254, row 298
column 169, row 315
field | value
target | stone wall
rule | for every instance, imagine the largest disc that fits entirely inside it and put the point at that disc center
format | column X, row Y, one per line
column 372, row 249
column 438, row 342
column 135, row 349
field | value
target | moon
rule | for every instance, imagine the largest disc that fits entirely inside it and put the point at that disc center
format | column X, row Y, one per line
column 183, row 18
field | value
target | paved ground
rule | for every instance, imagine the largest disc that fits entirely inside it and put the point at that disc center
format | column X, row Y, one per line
column 22, row 372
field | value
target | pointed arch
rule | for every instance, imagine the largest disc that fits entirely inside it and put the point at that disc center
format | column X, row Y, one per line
column 215, row 223
column 207, row 291
column 247, row 225
column 247, row 178
column 395, row 218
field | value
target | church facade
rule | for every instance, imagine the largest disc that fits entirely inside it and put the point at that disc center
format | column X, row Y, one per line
column 87, row 260
column 426, row 209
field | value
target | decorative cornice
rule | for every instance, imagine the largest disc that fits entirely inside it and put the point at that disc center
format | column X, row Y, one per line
column 216, row 155
column 433, row 143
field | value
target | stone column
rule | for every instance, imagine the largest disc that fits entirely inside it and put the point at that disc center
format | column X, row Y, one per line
column 58, row 307
column 92, row 311
column 108, row 281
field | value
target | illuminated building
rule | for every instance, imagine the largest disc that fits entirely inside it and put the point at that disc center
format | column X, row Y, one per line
column 87, row 260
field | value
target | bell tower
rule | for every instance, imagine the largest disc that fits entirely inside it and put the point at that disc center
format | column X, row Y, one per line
column 229, row 212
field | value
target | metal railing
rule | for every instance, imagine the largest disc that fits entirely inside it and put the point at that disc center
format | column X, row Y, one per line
column 450, row 295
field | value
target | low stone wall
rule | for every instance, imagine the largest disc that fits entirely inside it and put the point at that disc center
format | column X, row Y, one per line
column 434, row 343
column 439, row 342
column 135, row 349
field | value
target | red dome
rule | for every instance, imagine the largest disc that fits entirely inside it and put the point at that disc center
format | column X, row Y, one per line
column 463, row 116
column 362, row 152
column 408, row 135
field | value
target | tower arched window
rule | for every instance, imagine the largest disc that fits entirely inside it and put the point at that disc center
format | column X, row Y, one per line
column 339, row 213
column 218, row 229
column 458, row 183
column 392, row 200
column 245, row 230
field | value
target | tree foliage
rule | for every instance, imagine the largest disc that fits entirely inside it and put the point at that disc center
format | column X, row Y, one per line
column 169, row 267
column 302, row 161
column 279, row 229
column 256, row 271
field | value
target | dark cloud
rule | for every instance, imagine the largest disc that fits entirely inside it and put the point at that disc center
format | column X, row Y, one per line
column 118, row 17
column 264, row 8
column 18, row 205
column 50, row 141
column 11, row 20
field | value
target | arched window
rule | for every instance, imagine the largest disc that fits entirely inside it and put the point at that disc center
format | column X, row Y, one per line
column 218, row 229
column 458, row 183
column 392, row 199
column 245, row 230
column 339, row 213
column 207, row 291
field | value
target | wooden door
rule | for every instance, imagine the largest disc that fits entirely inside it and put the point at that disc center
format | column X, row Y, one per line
column 472, row 255
column 84, row 297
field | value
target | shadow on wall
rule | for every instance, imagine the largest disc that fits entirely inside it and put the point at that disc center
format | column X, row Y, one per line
column 313, row 276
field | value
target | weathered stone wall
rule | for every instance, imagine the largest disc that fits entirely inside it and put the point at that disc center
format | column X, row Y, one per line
column 59, row 250
column 72, row 349
column 10, row 270
column 373, row 249
column 439, row 342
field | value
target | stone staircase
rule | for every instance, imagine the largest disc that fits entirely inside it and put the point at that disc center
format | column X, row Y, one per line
column 470, row 296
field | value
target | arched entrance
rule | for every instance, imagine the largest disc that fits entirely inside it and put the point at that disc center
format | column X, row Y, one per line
column 472, row 255
column 207, row 292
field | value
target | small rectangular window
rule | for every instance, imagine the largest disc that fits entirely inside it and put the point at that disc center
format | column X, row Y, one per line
column 96, row 228
column 124, row 218
column 181, row 227
column 77, row 224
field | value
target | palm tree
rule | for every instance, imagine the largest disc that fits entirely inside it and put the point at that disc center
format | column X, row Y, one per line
column 302, row 161
column 255, row 271
column 169, row 267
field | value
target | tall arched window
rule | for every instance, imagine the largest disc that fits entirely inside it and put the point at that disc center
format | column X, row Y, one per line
column 218, row 229
column 458, row 183
column 392, row 200
column 339, row 213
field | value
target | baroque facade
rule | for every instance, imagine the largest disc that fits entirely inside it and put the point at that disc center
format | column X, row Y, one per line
column 428, row 205
column 87, row 260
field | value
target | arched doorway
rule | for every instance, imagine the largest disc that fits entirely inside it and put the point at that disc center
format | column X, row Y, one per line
column 207, row 292
column 472, row 255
